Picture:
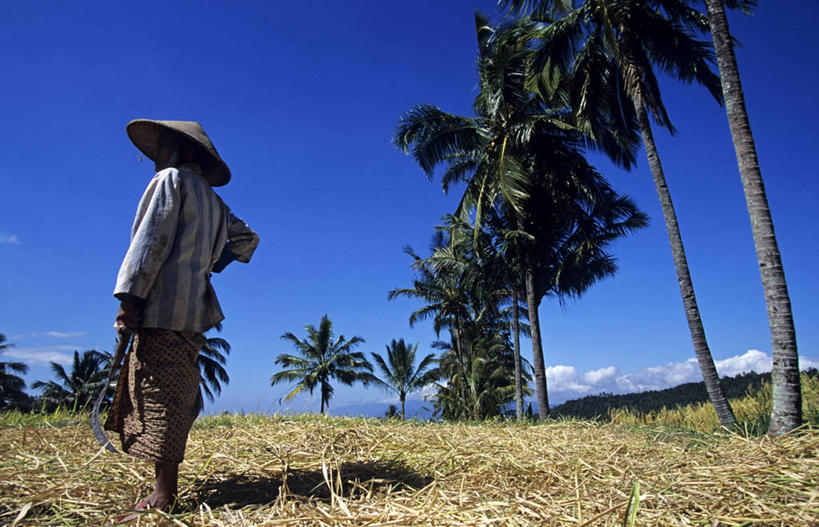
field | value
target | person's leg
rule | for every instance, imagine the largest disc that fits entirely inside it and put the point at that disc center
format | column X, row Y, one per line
column 165, row 390
column 165, row 488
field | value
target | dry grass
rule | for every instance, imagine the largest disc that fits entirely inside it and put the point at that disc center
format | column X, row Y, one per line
column 752, row 411
column 305, row 470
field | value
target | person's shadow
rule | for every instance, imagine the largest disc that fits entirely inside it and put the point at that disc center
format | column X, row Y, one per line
column 358, row 478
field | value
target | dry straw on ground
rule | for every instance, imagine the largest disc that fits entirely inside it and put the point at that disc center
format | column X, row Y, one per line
column 251, row 470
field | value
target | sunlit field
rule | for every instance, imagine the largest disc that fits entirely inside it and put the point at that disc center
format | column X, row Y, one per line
column 312, row 470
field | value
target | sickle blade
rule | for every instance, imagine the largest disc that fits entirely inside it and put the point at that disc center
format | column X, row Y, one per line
column 119, row 353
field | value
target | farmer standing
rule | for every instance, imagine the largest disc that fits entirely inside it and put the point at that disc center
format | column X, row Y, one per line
column 182, row 232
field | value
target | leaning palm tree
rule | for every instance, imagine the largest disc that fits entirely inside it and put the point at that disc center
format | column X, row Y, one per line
column 78, row 387
column 612, row 47
column 320, row 360
column 212, row 370
column 787, row 392
column 11, row 386
column 400, row 373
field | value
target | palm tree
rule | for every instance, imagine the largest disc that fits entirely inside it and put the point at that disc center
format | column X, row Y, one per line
column 494, row 270
column 211, row 365
column 79, row 387
column 787, row 392
column 620, row 43
column 11, row 386
column 489, row 381
column 506, row 257
column 400, row 373
column 445, row 294
column 526, row 155
column 320, row 360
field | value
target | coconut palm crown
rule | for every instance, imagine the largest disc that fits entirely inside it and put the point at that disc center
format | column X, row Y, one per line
column 400, row 373
column 11, row 386
column 212, row 369
column 321, row 359
column 78, row 387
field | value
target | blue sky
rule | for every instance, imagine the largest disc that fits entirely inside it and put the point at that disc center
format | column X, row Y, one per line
column 301, row 99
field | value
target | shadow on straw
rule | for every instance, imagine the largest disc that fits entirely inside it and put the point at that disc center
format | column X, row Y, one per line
column 359, row 478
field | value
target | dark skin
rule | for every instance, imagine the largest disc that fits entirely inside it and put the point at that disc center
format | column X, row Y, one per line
column 129, row 320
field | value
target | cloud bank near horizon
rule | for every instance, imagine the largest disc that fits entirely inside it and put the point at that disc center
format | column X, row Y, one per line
column 565, row 382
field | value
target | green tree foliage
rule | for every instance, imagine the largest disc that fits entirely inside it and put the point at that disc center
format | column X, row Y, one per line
column 400, row 374
column 212, row 369
column 320, row 359
column 610, row 50
column 522, row 156
column 11, row 385
column 76, row 389
column 477, row 363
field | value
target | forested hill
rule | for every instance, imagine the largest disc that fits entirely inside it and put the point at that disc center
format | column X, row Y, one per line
column 597, row 406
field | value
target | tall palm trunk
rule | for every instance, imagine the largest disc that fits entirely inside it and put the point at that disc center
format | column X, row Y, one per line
column 403, row 397
column 692, row 312
column 787, row 393
column 538, row 365
column 459, row 353
column 324, row 389
column 518, row 365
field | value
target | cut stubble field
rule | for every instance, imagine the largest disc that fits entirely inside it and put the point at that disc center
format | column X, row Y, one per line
column 311, row 470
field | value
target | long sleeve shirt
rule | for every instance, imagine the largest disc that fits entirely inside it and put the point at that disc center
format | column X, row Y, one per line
column 180, row 230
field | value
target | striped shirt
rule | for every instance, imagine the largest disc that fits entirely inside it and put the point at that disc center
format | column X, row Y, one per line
column 180, row 230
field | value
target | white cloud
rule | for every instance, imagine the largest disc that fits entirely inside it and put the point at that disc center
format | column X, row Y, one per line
column 751, row 360
column 9, row 238
column 64, row 334
column 565, row 382
column 42, row 355
column 600, row 376
column 57, row 334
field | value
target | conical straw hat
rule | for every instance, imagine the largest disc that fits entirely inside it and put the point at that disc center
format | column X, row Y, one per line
column 145, row 135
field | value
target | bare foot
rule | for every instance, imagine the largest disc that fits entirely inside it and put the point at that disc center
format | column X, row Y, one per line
column 157, row 500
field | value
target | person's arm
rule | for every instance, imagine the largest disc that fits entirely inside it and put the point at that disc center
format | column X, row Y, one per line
column 241, row 243
column 151, row 241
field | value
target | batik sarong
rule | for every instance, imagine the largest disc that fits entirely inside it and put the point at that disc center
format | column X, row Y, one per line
column 156, row 399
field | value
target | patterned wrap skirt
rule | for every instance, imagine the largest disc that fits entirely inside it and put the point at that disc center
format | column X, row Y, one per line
column 156, row 399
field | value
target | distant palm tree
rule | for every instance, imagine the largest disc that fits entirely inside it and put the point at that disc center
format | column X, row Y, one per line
column 321, row 360
column 11, row 386
column 78, row 388
column 785, row 381
column 400, row 373
column 211, row 365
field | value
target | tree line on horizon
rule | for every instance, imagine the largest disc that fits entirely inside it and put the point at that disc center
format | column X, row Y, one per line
column 76, row 388
column 558, row 78
column 599, row 406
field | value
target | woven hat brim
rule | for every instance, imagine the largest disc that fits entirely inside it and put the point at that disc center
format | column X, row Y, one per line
column 145, row 133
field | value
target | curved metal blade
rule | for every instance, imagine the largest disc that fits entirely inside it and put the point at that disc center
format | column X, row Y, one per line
column 119, row 353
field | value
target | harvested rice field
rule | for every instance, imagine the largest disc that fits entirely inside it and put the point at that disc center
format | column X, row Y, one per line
column 308, row 470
